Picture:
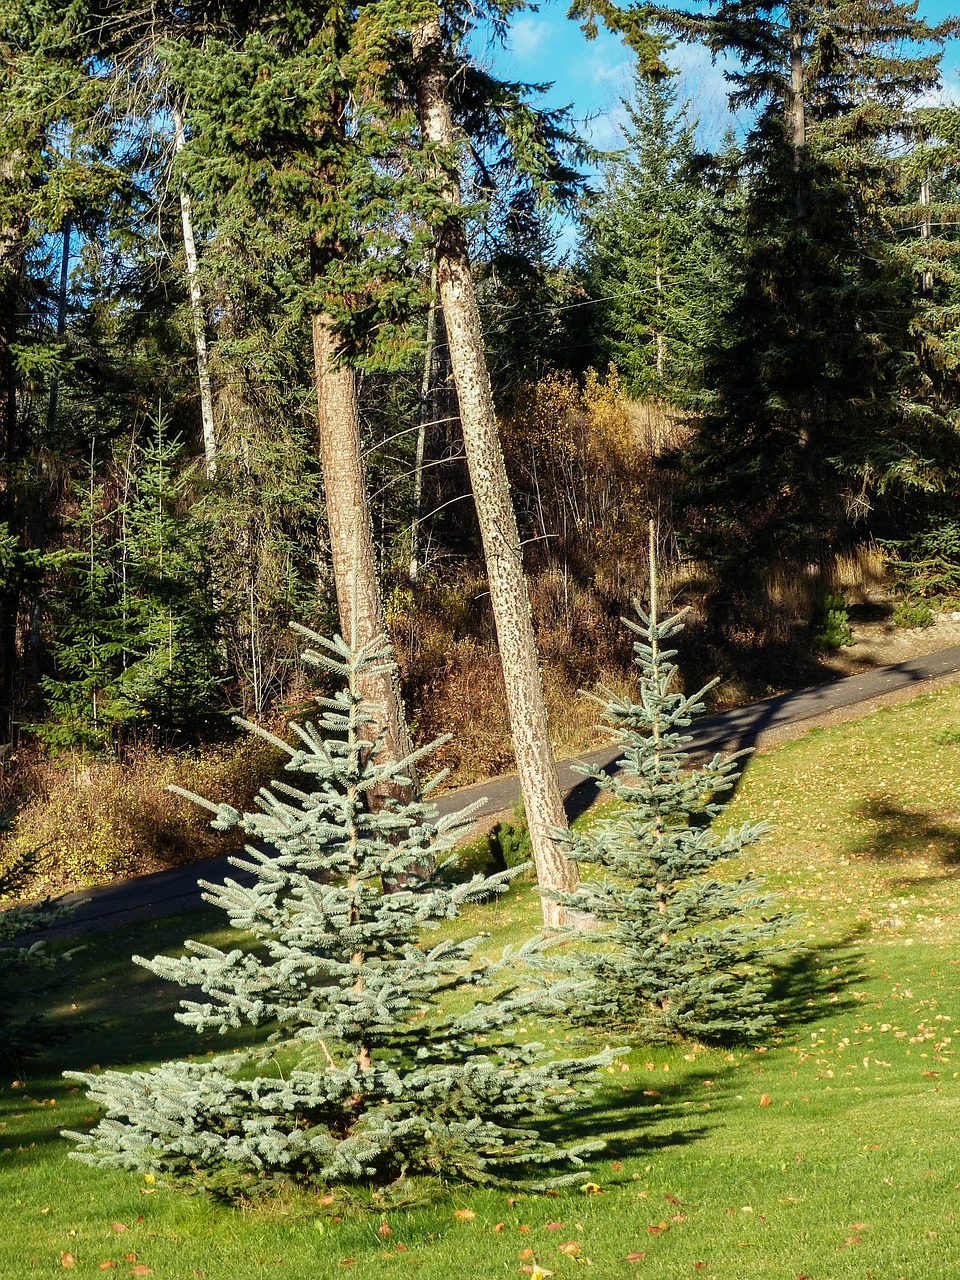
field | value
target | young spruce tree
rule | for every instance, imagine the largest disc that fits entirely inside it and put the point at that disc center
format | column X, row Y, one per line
column 678, row 953
column 383, row 1053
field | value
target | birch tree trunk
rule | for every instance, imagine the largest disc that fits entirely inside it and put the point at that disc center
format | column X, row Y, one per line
column 12, row 256
column 926, row 230
column 196, row 310
column 488, row 478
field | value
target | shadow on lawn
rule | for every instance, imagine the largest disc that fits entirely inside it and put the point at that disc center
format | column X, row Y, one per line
column 893, row 833
column 812, row 980
column 646, row 1116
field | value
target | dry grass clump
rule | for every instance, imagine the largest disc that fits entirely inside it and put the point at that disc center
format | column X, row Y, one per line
column 583, row 477
column 93, row 821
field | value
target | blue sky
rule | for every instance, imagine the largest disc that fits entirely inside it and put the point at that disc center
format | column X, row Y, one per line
column 544, row 45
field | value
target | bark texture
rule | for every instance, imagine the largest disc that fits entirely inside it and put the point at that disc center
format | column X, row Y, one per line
column 488, row 478
column 199, row 320
column 349, row 524
column 13, row 234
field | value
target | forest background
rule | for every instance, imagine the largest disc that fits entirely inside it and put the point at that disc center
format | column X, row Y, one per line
column 749, row 334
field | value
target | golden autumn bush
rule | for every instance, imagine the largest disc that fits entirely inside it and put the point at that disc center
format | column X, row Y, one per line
column 93, row 821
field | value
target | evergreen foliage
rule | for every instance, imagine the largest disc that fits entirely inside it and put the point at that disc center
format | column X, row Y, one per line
column 678, row 952
column 649, row 252
column 384, row 1052
column 136, row 650
column 811, row 415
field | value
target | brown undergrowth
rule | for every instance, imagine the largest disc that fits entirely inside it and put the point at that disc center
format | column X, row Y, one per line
column 589, row 469
column 91, row 821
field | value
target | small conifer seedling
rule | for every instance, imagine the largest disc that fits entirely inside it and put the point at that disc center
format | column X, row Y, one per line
column 385, row 1052
column 676, row 951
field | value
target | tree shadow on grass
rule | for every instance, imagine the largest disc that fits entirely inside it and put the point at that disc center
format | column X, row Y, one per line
column 892, row 833
column 647, row 1115
column 813, row 980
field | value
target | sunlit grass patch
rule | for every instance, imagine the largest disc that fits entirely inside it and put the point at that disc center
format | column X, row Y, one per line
column 830, row 1151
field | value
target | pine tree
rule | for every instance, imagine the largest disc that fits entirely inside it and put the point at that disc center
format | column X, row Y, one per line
column 811, row 414
column 645, row 240
column 372, row 1068
column 678, row 953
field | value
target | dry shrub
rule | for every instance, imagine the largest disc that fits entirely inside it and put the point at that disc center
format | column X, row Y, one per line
column 450, row 667
column 100, row 820
column 657, row 428
column 582, row 483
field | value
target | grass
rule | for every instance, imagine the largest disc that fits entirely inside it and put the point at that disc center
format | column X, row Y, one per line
column 831, row 1152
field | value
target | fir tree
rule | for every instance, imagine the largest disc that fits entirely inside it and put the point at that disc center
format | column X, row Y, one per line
column 679, row 953
column 136, row 648
column 385, row 1054
column 646, row 242
column 811, row 414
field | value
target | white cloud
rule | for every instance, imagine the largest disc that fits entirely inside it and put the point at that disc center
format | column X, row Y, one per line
column 529, row 32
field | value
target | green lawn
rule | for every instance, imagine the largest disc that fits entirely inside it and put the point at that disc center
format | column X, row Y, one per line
column 831, row 1152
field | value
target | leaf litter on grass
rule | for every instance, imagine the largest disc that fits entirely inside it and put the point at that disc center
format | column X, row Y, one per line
column 860, row 1080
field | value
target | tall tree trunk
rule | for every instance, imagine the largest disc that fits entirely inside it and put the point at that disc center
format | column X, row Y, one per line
column 196, row 310
column 54, row 397
column 807, row 424
column 926, row 230
column 426, row 414
column 12, row 253
column 348, row 520
column 488, row 477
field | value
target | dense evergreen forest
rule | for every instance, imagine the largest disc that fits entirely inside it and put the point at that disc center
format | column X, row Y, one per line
column 256, row 264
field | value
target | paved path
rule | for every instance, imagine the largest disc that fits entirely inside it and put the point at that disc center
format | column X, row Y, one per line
column 168, row 892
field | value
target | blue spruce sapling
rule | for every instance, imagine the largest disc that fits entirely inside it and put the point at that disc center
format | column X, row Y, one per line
column 384, row 1053
column 676, row 951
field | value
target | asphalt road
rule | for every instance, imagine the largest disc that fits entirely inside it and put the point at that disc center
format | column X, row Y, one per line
column 169, row 892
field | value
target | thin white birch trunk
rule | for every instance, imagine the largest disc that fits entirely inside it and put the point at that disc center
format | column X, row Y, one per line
column 199, row 322
column 926, row 231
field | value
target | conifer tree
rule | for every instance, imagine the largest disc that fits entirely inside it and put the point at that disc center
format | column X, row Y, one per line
column 645, row 242
column 372, row 1068
column 678, row 952
column 136, row 648
column 811, row 410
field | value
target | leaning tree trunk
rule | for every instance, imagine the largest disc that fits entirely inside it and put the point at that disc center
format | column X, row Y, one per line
column 488, row 478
